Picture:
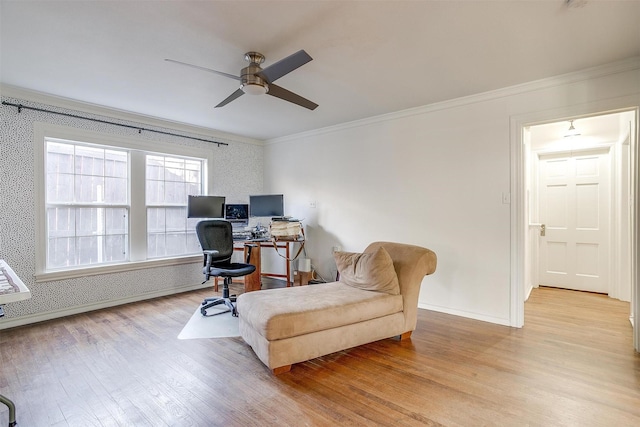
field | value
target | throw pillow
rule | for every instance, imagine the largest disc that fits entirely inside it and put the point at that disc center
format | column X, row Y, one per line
column 369, row 271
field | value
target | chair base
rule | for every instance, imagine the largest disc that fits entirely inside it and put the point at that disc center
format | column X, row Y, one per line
column 226, row 299
column 210, row 302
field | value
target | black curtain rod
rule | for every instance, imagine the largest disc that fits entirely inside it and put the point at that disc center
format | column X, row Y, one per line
column 138, row 128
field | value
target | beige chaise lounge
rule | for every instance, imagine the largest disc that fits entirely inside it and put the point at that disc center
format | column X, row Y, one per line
column 291, row 325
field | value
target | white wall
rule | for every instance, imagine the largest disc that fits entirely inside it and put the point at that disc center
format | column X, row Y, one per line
column 237, row 171
column 432, row 176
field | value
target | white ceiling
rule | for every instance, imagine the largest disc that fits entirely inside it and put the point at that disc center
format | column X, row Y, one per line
column 370, row 57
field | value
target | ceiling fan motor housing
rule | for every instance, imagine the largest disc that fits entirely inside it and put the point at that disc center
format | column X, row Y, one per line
column 251, row 83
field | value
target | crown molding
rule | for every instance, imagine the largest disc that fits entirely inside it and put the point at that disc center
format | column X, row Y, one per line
column 618, row 67
column 86, row 107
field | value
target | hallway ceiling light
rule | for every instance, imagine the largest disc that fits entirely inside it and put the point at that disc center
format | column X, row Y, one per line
column 572, row 131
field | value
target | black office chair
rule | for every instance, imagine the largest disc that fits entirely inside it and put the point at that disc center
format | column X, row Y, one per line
column 216, row 239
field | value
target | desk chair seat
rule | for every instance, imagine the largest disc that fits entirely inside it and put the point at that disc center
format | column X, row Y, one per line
column 216, row 239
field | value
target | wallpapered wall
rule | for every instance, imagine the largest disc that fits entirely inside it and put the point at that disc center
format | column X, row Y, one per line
column 237, row 169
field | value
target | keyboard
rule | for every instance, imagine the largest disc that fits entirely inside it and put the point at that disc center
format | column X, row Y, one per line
column 244, row 235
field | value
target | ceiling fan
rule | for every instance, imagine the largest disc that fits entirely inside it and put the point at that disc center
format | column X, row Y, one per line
column 255, row 80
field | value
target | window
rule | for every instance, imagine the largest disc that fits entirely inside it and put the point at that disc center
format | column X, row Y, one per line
column 110, row 203
column 86, row 205
column 169, row 181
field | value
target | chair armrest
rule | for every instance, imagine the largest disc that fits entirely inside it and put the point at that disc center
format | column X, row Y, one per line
column 208, row 259
column 209, row 256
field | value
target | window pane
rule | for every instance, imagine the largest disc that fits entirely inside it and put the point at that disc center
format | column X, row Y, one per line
column 155, row 167
column 176, row 219
column 155, row 245
column 155, row 192
column 115, row 163
column 193, row 245
column 193, row 189
column 115, row 248
column 88, row 250
column 61, row 222
column 174, row 169
column 59, row 158
column 116, row 221
column 61, row 252
column 115, row 190
column 176, row 243
column 59, row 188
column 89, row 189
column 89, row 221
column 89, row 161
column 155, row 220
column 192, row 173
column 191, row 223
column 175, row 193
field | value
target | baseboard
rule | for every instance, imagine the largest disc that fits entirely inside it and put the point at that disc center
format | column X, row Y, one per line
column 528, row 293
column 8, row 323
column 467, row 314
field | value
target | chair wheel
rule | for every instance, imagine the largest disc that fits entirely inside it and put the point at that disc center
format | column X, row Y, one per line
column 203, row 311
column 232, row 298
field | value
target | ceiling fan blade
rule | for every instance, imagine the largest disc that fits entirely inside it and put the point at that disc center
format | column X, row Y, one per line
column 282, row 93
column 237, row 94
column 274, row 71
column 231, row 76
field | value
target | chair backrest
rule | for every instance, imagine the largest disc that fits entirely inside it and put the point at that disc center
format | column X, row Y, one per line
column 218, row 235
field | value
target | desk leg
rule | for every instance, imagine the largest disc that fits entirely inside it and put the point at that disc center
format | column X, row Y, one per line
column 12, row 410
column 253, row 282
column 289, row 281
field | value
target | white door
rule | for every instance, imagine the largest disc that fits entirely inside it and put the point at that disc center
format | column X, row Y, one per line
column 574, row 204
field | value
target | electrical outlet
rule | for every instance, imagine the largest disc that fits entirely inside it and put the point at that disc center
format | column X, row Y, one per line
column 336, row 249
column 312, row 204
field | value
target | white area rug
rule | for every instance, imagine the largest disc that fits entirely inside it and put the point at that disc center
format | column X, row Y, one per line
column 218, row 326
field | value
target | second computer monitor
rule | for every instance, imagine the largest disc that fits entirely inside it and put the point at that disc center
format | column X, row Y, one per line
column 266, row 205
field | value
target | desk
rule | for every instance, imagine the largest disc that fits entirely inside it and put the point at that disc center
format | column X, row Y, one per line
column 251, row 282
column 11, row 290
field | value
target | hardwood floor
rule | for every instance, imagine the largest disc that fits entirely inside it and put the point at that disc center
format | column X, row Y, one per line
column 572, row 364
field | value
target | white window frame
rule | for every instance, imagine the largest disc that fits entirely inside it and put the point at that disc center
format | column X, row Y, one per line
column 138, row 214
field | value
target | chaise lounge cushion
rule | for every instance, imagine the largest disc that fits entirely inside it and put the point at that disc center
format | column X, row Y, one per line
column 288, row 312
column 372, row 271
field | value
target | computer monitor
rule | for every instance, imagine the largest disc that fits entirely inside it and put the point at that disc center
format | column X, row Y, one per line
column 266, row 205
column 237, row 214
column 205, row 207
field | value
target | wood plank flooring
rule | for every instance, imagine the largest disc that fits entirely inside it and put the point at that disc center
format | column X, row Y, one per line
column 572, row 364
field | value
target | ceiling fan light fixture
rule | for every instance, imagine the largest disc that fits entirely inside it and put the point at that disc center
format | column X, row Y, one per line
column 254, row 89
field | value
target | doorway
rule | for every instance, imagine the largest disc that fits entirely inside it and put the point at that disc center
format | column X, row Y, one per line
column 574, row 209
column 607, row 140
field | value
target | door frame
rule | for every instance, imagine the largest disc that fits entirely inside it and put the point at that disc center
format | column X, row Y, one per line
column 519, row 216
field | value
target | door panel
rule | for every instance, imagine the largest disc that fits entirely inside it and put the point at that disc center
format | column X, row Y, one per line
column 574, row 205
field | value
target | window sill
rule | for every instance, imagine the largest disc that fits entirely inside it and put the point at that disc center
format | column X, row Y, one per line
column 53, row 276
